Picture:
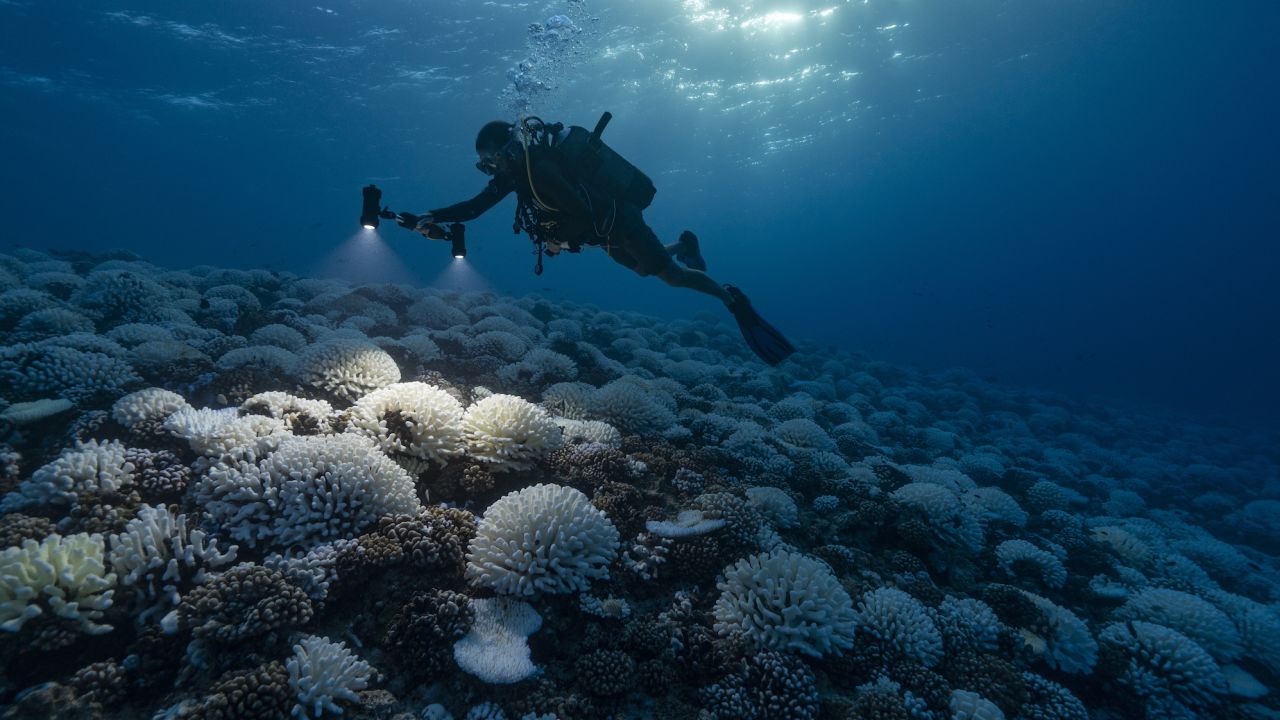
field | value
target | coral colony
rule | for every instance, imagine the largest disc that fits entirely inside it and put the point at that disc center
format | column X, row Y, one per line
column 243, row 494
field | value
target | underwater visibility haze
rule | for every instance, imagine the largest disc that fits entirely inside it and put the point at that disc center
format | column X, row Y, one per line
column 1006, row 446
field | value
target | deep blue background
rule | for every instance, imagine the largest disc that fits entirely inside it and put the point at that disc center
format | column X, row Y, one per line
column 1080, row 196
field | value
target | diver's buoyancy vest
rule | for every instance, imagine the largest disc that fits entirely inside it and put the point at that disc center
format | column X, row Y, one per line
column 585, row 157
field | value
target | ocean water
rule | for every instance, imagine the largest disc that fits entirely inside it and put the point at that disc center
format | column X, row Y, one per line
column 256, row 461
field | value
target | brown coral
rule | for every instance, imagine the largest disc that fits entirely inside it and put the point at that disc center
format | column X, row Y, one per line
column 244, row 602
column 423, row 631
column 16, row 527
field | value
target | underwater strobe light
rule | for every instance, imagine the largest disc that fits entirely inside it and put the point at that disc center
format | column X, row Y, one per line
column 370, row 212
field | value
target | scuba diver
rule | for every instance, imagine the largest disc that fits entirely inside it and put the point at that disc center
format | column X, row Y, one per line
column 573, row 190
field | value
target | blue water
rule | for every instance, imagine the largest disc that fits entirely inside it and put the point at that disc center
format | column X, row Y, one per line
column 1077, row 196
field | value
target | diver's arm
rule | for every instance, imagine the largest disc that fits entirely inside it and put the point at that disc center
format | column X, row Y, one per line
column 467, row 210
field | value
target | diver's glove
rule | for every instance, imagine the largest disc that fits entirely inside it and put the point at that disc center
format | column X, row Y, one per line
column 408, row 220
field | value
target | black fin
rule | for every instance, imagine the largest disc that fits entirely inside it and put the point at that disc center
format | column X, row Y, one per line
column 764, row 339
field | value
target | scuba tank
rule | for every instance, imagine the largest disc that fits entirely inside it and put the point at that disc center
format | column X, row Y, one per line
column 585, row 157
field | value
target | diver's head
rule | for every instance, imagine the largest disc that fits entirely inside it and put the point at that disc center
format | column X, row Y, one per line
column 492, row 144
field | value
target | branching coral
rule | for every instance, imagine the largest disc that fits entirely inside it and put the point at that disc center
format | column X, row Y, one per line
column 58, row 579
column 309, row 490
column 900, row 625
column 348, row 368
column 545, row 538
column 785, row 601
column 508, row 433
column 158, row 558
column 417, row 424
column 323, row 673
column 1168, row 670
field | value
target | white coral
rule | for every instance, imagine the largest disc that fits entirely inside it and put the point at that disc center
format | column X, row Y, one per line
column 951, row 522
column 495, row 649
column 592, row 432
column 544, row 538
column 348, row 368
column 508, row 433
column 157, row 554
column 996, row 505
column 65, row 576
column 966, row 705
column 776, row 504
column 1011, row 554
column 300, row 415
column 1166, row 668
column 149, row 405
column 785, row 601
column 323, row 673
column 309, row 490
column 416, row 423
column 218, row 433
column 1189, row 615
column 1067, row 645
column 94, row 467
column 900, row 623
column 267, row 358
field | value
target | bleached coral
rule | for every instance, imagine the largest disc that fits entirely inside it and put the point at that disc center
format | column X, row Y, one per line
column 309, row 490
column 300, row 416
column 776, row 505
column 1014, row 554
column 281, row 336
column 91, row 467
column 688, row 523
column 900, row 624
column 589, row 432
column 1063, row 641
column 495, row 649
column 158, row 557
column 968, row 622
column 805, row 433
column 544, row 538
column 508, row 433
column 265, row 358
column 27, row 413
column 539, row 367
column 417, row 424
column 218, row 433
column 630, row 406
column 348, row 368
column 58, row 578
column 149, row 405
column 952, row 523
column 322, row 674
column 996, row 505
column 783, row 600
column 965, row 705
column 1189, row 615
column 1168, row 670
column 49, row 370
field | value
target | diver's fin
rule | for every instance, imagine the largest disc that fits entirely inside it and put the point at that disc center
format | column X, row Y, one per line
column 687, row 252
column 764, row 339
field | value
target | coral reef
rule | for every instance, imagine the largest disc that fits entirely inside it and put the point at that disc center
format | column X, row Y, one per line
column 244, row 494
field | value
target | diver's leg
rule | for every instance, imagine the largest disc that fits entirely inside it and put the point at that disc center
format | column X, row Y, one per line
column 677, row 276
column 645, row 254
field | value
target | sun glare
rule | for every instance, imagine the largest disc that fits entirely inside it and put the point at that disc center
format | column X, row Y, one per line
column 771, row 21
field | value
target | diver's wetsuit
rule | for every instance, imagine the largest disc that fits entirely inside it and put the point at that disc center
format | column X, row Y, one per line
column 581, row 216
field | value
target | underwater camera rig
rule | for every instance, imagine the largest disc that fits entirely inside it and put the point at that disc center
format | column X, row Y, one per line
column 371, row 213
